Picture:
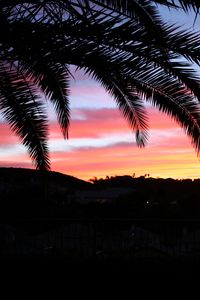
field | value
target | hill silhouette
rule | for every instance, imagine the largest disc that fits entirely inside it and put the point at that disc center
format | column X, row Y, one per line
column 26, row 193
column 23, row 176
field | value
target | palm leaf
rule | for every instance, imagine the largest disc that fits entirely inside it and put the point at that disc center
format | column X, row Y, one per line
column 36, row 64
column 22, row 109
column 184, row 4
column 53, row 79
column 173, row 99
column 125, row 96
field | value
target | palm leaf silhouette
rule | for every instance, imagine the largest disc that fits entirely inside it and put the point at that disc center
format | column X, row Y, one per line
column 124, row 45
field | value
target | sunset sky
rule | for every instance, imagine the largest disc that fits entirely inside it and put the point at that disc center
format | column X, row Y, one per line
column 101, row 142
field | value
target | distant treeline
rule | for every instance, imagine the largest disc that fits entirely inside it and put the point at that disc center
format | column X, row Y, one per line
column 154, row 197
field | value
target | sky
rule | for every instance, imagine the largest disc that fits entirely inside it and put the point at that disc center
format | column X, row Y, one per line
column 100, row 141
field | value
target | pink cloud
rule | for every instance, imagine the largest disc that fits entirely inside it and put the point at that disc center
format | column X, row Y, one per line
column 97, row 122
column 93, row 123
column 7, row 137
column 16, row 164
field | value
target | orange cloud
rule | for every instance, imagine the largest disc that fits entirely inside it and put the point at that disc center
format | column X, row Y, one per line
column 168, row 154
column 128, row 159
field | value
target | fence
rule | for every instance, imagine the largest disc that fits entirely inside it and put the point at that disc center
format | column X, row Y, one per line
column 107, row 238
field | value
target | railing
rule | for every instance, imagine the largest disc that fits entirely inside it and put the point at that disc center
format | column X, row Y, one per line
column 105, row 238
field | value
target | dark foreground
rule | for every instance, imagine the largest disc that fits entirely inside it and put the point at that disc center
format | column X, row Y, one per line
column 139, row 269
column 101, row 278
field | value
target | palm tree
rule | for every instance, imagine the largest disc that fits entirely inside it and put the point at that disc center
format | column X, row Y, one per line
column 125, row 45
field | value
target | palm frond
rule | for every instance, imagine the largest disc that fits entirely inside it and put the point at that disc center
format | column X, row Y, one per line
column 172, row 98
column 125, row 96
column 151, row 83
column 129, row 104
column 23, row 110
column 36, row 64
column 53, row 79
column 184, row 4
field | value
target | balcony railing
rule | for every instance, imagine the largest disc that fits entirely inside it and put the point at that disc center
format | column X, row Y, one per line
column 105, row 238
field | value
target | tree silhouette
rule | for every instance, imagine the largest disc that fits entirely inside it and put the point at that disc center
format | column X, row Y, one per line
column 125, row 45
